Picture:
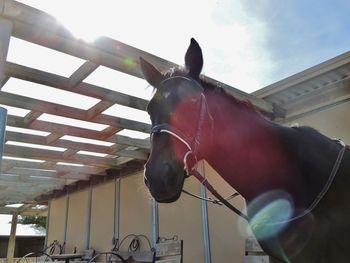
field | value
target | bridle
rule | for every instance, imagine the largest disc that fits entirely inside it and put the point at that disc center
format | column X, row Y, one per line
column 192, row 144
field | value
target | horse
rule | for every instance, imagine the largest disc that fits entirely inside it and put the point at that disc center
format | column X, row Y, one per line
column 294, row 179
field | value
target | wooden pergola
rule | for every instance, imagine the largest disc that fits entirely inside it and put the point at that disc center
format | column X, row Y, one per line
column 29, row 183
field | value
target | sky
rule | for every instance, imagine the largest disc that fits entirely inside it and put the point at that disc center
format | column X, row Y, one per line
column 247, row 44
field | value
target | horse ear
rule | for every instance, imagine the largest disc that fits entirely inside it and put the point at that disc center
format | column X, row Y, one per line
column 194, row 59
column 151, row 74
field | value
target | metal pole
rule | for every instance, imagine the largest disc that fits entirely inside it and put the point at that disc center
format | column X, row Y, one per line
column 88, row 219
column 66, row 220
column 3, row 115
column 116, row 211
column 47, row 223
column 205, row 221
column 155, row 222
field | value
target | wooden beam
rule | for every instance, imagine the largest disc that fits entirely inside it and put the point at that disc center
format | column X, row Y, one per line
column 69, row 112
column 26, row 152
column 81, row 73
column 75, row 131
column 59, row 82
column 9, row 164
column 5, row 35
column 98, row 109
column 101, row 52
column 77, row 146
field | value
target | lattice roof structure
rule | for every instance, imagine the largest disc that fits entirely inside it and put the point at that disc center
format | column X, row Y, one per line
column 55, row 146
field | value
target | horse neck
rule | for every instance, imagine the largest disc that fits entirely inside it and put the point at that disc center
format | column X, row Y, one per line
column 246, row 150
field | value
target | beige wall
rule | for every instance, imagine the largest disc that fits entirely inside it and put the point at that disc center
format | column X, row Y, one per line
column 76, row 225
column 183, row 218
column 102, row 217
column 333, row 122
column 135, row 209
column 227, row 230
column 57, row 220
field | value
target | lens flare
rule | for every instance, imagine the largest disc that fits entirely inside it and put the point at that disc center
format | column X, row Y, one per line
column 270, row 213
column 130, row 62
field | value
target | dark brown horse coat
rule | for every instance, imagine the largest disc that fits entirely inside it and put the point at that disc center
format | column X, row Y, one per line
column 280, row 171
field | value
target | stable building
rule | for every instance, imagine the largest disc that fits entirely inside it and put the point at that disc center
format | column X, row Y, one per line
column 92, row 201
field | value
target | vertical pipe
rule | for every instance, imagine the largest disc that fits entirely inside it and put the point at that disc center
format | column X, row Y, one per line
column 47, row 224
column 116, row 231
column 205, row 221
column 155, row 222
column 66, row 220
column 88, row 219
column 3, row 114
column 5, row 35
column 12, row 240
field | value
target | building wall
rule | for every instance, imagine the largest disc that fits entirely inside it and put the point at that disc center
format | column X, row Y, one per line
column 135, row 210
column 183, row 218
column 102, row 217
column 76, row 223
column 227, row 230
column 333, row 122
column 57, row 220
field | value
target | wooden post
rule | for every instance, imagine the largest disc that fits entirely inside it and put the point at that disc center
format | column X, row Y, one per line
column 5, row 35
column 12, row 240
column 3, row 116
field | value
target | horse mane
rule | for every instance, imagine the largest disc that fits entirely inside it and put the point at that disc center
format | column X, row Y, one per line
column 218, row 89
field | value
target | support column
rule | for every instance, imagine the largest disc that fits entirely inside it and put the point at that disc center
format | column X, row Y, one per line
column 88, row 219
column 12, row 240
column 116, row 226
column 205, row 221
column 3, row 115
column 155, row 222
column 66, row 221
column 5, row 35
column 47, row 224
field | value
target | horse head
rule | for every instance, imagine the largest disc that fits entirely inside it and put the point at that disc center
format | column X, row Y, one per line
column 178, row 112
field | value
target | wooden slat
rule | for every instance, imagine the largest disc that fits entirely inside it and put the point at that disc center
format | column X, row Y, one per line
column 102, row 52
column 77, row 146
column 19, row 101
column 26, row 152
column 8, row 177
column 78, row 171
column 75, row 131
column 81, row 73
column 25, row 172
column 98, row 109
column 59, row 82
